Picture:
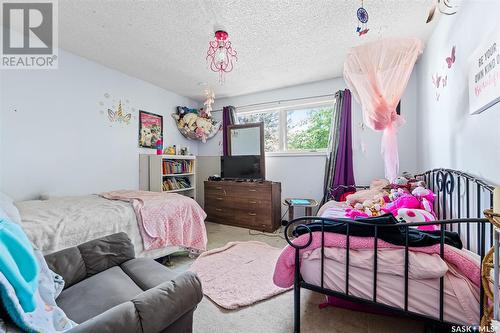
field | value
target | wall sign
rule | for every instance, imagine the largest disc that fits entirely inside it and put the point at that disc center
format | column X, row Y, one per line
column 484, row 75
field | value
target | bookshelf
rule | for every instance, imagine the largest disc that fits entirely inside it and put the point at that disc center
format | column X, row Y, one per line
column 168, row 173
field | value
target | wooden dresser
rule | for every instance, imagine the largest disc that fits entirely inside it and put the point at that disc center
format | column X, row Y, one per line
column 249, row 205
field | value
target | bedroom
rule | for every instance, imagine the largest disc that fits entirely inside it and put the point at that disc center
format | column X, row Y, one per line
column 125, row 77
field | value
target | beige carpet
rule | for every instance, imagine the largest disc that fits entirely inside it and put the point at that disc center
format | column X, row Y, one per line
column 275, row 315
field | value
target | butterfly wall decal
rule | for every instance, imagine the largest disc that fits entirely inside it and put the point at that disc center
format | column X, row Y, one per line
column 436, row 80
column 451, row 59
column 119, row 115
column 440, row 81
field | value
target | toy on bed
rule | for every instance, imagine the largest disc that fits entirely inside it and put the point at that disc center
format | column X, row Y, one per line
column 414, row 206
column 194, row 124
column 376, row 192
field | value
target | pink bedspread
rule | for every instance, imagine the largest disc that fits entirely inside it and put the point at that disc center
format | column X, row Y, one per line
column 284, row 269
column 166, row 219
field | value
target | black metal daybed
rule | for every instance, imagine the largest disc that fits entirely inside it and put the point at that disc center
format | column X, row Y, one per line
column 459, row 205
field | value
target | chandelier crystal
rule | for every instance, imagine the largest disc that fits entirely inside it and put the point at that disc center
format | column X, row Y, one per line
column 220, row 54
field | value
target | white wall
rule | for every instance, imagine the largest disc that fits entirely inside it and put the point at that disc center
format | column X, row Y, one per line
column 302, row 176
column 54, row 140
column 448, row 135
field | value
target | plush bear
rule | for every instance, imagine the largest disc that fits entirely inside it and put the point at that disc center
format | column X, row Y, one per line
column 205, row 124
column 376, row 192
column 190, row 120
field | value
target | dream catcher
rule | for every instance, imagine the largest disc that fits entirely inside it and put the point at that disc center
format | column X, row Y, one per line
column 362, row 16
column 446, row 7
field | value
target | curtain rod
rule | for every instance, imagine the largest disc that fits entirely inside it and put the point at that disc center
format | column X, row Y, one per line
column 280, row 101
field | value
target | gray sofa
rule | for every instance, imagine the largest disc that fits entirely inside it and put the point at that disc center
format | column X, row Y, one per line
column 109, row 290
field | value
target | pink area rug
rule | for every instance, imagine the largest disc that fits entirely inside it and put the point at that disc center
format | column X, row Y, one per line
column 238, row 274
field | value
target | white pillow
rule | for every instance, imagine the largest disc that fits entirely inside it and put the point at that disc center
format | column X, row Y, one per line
column 8, row 209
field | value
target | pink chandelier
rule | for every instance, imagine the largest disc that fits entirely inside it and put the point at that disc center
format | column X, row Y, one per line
column 220, row 54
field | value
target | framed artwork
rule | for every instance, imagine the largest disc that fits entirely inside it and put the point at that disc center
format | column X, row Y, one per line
column 150, row 129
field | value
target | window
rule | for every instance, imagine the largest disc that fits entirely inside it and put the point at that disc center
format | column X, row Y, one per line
column 292, row 128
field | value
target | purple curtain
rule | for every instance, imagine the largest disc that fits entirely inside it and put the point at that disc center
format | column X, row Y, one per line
column 343, row 172
column 228, row 118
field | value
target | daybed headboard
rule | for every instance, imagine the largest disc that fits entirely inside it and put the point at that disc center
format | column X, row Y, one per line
column 460, row 196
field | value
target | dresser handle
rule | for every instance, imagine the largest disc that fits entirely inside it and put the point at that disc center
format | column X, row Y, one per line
column 252, row 190
column 252, row 202
column 218, row 209
column 219, row 198
column 252, row 214
column 218, row 187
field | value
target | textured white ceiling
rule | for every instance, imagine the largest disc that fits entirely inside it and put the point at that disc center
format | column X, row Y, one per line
column 279, row 43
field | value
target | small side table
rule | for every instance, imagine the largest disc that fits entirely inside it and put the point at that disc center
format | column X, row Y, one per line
column 308, row 204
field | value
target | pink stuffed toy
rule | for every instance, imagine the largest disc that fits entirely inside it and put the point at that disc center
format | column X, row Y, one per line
column 426, row 198
column 354, row 214
column 404, row 201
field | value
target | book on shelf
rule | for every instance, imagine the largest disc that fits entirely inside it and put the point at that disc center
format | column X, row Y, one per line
column 177, row 166
column 176, row 183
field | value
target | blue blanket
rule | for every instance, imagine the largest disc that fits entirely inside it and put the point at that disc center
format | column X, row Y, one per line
column 18, row 263
column 28, row 288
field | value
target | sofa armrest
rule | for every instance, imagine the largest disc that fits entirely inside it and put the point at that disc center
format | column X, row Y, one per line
column 77, row 263
column 174, row 298
column 152, row 311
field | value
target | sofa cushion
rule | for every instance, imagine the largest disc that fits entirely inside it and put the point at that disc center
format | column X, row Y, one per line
column 147, row 273
column 97, row 294
column 69, row 264
column 105, row 252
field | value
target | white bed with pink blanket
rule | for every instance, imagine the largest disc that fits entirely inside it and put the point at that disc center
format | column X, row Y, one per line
column 157, row 223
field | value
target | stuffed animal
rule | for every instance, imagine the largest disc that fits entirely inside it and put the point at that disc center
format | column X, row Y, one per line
column 405, row 201
column 205, row 124
column 426, row 198
column 190, row 120
column 401, row 181
column 354, row 214
column 206, row 111
column 375, row 193
column 417, row 215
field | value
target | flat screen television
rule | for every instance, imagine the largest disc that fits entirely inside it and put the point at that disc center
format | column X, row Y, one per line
column 241, row 167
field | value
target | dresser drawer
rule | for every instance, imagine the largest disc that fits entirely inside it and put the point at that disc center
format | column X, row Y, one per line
column 218, row 214
column 251, row 192
column 217, row 191
column 217, row 201
column 255, row 219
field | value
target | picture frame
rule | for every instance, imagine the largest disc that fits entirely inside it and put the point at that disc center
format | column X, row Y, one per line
column 150, row 129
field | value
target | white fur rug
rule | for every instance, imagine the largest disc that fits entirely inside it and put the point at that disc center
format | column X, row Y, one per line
column 238, row 274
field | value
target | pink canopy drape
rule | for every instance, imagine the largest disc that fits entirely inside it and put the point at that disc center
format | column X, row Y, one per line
column 377, row 74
